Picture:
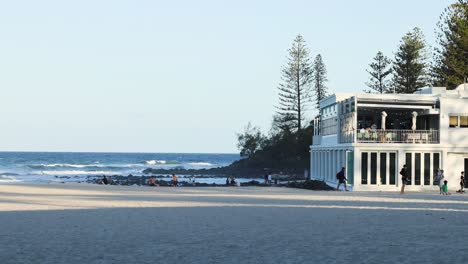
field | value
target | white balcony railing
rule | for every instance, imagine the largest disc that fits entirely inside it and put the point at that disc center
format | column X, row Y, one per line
column 398, row 136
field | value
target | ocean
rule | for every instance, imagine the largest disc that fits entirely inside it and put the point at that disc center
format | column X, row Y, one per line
column 77, row 167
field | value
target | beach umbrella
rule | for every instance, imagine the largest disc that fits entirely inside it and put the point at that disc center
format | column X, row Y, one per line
column 415, row 115
column 384, row 116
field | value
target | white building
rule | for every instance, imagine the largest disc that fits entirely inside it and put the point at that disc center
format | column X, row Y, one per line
column 374, row 135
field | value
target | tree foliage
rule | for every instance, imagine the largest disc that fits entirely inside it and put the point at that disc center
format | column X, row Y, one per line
column 380, row 69
column 319, row 80
column 294, row 89
column 451, row 57
column 282, row 152
column 250, row 140
column 410, row 64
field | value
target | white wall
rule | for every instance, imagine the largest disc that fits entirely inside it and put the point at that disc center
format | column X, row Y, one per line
column 454, row 136
column 454, row 164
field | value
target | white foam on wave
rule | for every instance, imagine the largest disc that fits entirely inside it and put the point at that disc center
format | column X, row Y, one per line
column 8, row 179
column 200, row 164
column 79, row 166
column 76, row 172
column 60, row 165
column 154, row 162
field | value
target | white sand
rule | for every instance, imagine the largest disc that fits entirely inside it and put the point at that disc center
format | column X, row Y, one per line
column 73, row 223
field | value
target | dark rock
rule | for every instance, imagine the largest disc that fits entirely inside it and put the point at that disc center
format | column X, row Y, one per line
column 310, row 185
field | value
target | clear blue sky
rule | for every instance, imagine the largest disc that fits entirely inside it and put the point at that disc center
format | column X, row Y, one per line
column 175, row 76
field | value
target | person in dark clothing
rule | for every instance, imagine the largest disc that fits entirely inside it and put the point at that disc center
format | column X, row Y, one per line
column 152, row 181
column 462, row 182
column 104, row 180
column 404, row 178
column 340, row 176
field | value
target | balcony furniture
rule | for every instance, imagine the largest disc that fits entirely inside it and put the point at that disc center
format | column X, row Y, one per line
column 360, row 136
column 367, row 136
column 389, row 136
column 413, row 137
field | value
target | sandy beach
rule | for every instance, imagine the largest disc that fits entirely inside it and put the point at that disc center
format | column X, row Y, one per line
column 83, row 223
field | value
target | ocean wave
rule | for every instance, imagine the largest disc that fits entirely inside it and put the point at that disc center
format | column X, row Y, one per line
column 62, row 165
column 160, row 162
column 200, row 164
column 76, row 172
column 8, row 174
column 7, row 179
column 83, row 166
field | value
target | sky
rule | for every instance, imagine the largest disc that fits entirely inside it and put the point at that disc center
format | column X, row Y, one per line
column 176, row 76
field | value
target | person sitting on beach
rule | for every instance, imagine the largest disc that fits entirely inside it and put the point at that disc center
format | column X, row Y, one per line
column 233, row 180
column 445, row 188
column 152, row 181
column 175, row 182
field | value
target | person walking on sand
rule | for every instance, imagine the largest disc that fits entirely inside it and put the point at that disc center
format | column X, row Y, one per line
column 404, row 178
column 341, row 179
column 462, row 182
column 175, row 182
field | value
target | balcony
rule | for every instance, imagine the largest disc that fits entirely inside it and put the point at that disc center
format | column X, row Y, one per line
column 398, row 136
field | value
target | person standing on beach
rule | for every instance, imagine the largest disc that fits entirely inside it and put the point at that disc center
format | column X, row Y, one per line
column 175, row 182
column 445, row 188
column 440, row 179
column 341, row 179
column 269, row 178
column 151, row 181
column 104, row 180
column 404, row 178
column 462, row 182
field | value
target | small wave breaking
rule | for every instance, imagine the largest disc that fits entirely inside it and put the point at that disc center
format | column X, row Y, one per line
column 160, row 162
column 200, row 164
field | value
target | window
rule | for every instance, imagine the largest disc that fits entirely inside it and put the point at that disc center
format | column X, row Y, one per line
column 463, row 121
column 417, row 169
column 378, row 168
column 453, row 121
column 383, row 168
column 392, row 168
column 329, row 126
column 364, row 168
column 435, row 165
column 458, row 121
column 409, row 162
column 427, row 168
column 373, row 172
